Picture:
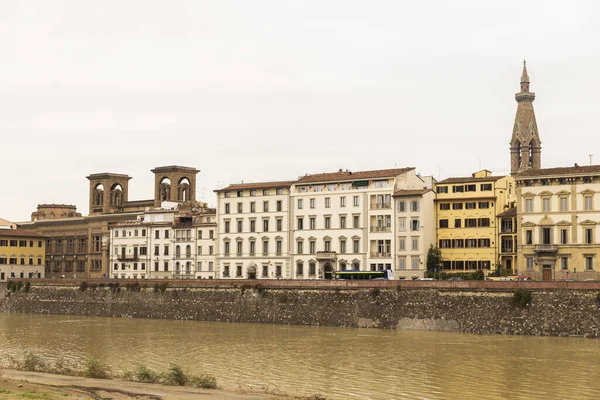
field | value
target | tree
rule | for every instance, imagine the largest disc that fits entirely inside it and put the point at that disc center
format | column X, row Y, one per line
column 434, row 259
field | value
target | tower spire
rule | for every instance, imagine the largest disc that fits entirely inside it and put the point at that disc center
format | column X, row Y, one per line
column 525, row 144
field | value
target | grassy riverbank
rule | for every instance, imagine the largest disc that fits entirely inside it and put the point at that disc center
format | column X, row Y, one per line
column 45, row 379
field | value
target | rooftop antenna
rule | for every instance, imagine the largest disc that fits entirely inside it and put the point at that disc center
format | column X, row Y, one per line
column 590, row 155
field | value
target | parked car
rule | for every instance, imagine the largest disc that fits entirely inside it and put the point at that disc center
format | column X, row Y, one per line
column 523, row 278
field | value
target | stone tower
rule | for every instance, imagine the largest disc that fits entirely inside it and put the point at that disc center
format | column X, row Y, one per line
column 525, row 145
column 174, row 183
column 108, row 192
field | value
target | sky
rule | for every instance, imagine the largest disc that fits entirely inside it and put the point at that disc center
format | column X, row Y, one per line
column 270, row 90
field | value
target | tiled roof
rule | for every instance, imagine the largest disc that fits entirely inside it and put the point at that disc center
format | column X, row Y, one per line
column 342, row 175
column 469, row 179
column 257, row 185
column 417, row 192
column 511, row 212
column 580, row 169
column 19, row 233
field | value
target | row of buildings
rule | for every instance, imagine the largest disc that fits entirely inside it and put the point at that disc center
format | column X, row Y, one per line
column 538, row 222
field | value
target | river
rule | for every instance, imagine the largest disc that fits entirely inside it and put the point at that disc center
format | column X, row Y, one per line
column 339, row 363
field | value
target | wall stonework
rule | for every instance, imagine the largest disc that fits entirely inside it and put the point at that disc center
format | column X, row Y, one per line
column 553, row 312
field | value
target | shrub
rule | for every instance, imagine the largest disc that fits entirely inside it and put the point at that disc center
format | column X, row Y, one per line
column 163, row 287
column 521, row 298
column 27, row 287
column 176, row 376
column 114, row 287
column 133, row 287
column 83, row 286
column 31, row 362
column 95, row 368
column 375, row 292
column 204, row 381
column 12, row 286
column 142, row 374
column 9, row 284
column 282, row 298
column 19, row 285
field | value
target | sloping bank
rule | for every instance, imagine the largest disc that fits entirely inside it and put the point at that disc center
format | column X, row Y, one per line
column 522, row 308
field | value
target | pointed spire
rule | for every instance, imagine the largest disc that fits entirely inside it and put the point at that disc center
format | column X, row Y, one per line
column 524, row 75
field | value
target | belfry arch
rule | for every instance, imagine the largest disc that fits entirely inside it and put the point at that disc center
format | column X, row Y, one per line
column 108, row 192
column 181, row 184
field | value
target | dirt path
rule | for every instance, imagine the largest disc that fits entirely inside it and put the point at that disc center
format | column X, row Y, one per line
column 36, row 385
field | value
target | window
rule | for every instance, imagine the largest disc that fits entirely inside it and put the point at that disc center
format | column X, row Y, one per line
column 457, row 206
column 442, row 189
column 300, row 247
column 265, row 247
column 471, row 243
column 300, row 205
column 402, row 263
column 299, row 268
column 564, row 236
column 265, row 224
column 327, row 222
column 589, row 237
column 485, row 187
column 401, row 206
column 226, row 270
column 470, row 188
column 457, row 222
column 356, row 201
column 312, row 247
column 166, row 233
column 265, row 206
column 166, row 250
column 165, row 266
column 402, row 243
column 415, row 262
column 252, row 247
column 414, row 224
column 483, row 222
column 327, row 244
column 300, row 223
column 529, row 262
column 342, row 221
column 343, row 201
column 252, row 206
column 227, row 194
column 355, row 221
column 143, row 251
column 240, row 193
column 156, row 250
column 265, row 270
column 252, row 192
column 589, row 262
column 458, row 243
column 238, row 270
column 227, row 226
column 443, row 223
column 415, row 243
column 226, row 248
column 279, row 205
column 211, row 234
column 528, row 205
column 563, row 204
column 210, row 250
column 588, row 203
column 414, row 205
column 484, row 242
column 279, row 224
column 239, row 246
column 239, row 225
column 312, row 268
column 342, row 246
column 313, row 203
column 470, row 222
column 546, row 236
column 528, row 236
column 227, row 208
column 279, row 191
column 402, row 225
column 546, row 204
column 265, row 192
column 327, row 202
column 356, row 245
column 471, row 205
column 564, row 263
column 484, row 204
column 252, row 225
column 313, row 222
column 458, row 189
column 444, row 206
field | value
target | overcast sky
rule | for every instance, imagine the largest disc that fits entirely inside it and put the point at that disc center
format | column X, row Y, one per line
column 269, row 90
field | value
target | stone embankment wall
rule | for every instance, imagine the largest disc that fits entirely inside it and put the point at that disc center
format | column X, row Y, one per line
column 556, row 308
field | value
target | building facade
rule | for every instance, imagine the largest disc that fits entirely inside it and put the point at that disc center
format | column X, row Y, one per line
column 507, row 240
column 22, row 254
column 466, row 220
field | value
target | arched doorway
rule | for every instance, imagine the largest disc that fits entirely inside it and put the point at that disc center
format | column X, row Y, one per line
column 252, row 272
column 328, row 271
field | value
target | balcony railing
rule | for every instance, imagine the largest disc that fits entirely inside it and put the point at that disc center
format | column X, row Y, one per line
column 381, row 206
column 180, row 256
column 507, row 230
column 380, row 229
column 128, row 257
column 546, row 248
column 381, row 255
column 326, row 255
column 184, row 239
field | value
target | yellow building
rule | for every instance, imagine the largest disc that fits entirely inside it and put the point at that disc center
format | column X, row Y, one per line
column 466, row 210
column 22, row 254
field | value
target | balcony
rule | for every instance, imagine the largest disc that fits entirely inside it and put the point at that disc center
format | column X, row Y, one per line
column 381, row 229
column 546, row 248
column 381, row 255
column 182, row 256
column 326, row 255
column 184, row 239
column 381, row 206
column 507, row 230
column 128, row 257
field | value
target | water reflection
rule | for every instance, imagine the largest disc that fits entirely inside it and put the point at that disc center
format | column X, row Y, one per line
column 337, row 362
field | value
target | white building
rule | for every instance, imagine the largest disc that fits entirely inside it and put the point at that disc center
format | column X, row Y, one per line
column 253, row 230
column 206, row 229
column 345, row 220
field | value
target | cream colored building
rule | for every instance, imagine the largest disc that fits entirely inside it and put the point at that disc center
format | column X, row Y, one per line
column 558, row 217
column 253, row 231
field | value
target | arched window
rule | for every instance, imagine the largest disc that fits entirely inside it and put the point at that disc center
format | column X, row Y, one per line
column 164, row 189
column 519, row 157
column 188, row 250
column 116, row 195
column 98, row 195
column 183, row 189
column 177, row 250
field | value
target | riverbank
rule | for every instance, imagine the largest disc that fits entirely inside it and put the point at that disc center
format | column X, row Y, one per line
column 37, row 385
column 517, row 308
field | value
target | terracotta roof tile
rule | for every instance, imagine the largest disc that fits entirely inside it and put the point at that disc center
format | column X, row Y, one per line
column 257, row 185
column 19, row 233
column 416, row 192
column 511, row 212
column 468, row 179
column 353, row 176
column 580, row 169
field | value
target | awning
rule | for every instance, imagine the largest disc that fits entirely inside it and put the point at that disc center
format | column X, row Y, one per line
column 360, row 183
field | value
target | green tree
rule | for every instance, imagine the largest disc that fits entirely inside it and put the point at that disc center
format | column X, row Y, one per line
column 434, row 259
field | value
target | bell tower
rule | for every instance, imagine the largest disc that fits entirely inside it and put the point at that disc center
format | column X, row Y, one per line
column 525, row 144
column 174, row 183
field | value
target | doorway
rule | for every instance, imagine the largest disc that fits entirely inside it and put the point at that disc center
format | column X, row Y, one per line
column 252, row 272
column 547, row 272
column 328, row 271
